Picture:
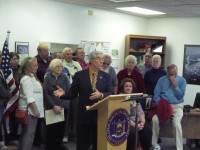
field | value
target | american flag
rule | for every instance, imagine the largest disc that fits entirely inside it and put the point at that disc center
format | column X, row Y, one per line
column 13, row 101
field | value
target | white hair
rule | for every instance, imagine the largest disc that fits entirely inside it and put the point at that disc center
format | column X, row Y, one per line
column 156, row 56
column 130, row 57
column 54, row 63
column 67, row 49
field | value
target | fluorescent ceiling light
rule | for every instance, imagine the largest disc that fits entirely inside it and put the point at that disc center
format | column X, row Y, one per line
column 120, row 1
column 141, row 10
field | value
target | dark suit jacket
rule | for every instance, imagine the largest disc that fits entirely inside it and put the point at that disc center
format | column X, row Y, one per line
column 81, row 86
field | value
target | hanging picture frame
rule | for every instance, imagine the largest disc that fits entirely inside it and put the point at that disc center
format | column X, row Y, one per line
column 191, row 64
column 22, row 48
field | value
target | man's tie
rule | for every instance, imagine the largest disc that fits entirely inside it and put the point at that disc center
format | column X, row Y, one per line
column 94, row 81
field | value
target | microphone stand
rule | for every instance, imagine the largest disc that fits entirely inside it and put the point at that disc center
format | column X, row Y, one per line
column 137, row 111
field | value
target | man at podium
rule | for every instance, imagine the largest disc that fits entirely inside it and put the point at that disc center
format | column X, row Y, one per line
column 91, row 85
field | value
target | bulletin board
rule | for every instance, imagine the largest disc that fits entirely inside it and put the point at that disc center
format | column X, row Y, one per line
column 90, row 46
column 104, row 47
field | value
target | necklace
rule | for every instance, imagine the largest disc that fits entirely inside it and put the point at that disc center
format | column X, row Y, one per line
column 129, row 72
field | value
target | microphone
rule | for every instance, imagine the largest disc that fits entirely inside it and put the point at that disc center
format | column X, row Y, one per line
column 137, row 98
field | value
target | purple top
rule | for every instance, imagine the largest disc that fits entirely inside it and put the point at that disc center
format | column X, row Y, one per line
column 42, row 67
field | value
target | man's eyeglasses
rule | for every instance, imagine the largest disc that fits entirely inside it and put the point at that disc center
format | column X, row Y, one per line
column 104, row 63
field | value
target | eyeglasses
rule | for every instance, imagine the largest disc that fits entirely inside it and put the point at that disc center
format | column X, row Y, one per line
column 104, row 63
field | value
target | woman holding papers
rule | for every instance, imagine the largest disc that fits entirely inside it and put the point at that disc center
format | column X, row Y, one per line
column 31, row 99
column 55, row 78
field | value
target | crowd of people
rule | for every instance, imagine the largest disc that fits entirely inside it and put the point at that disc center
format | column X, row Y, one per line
column 67, row 82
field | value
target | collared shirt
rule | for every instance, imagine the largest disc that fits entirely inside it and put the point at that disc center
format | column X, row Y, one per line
column 91, row 72
column 31, row 91
column 73, row 67
column 165, row 90
column 84, row 65
column 42, row 67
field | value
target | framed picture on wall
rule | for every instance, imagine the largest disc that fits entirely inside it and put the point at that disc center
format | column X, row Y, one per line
column 22, row 48
column 191, row 64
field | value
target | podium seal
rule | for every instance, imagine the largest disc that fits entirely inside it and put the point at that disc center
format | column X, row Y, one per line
column 117, row 127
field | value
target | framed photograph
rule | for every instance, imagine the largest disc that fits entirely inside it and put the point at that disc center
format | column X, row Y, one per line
column 191, row 64
column 22, row 48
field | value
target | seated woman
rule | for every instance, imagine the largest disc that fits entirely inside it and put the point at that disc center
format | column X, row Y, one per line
column 55, row 132
column 128, row 86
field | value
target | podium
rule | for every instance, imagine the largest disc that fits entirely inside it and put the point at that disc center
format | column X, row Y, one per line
column 113, row 121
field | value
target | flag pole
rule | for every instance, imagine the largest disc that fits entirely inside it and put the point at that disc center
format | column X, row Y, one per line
column 8, row 36
column 2, row 143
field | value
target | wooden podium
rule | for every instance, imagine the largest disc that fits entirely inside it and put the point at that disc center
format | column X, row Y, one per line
column 106, row 108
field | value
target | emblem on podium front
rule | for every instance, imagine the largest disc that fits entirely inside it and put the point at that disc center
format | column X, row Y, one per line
column 117, row 127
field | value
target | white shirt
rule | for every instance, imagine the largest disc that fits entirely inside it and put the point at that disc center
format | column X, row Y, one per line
column 31, row 91
column 73, row 67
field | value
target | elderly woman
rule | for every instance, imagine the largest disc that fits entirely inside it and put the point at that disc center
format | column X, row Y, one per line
column 106, row 67
column 31, row 99
column 131, row 72
column 55, row 132
column 128, row 86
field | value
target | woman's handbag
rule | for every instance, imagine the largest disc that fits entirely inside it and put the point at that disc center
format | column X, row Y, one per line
column 21, row 116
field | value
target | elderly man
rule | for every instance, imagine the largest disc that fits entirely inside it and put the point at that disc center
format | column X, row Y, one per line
column 153, row 75
column 106, row 67
column 91, row 85
column 170, row 88
column 146, row 66
column 80, row 54
column 71, row 65
column 43, row 60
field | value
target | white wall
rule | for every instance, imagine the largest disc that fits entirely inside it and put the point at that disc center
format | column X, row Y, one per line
column 45, row 20
column 179, row 31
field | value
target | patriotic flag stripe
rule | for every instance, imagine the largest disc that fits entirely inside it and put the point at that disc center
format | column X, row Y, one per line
column 13, row 101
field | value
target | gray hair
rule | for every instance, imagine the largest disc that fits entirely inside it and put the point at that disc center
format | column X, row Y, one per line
column 67, row 49
column 54, row 63
column 170, row 67
column 25, row 65
column 156, row 56
column 93, row 55
column 107, row 56
column 130, row 57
